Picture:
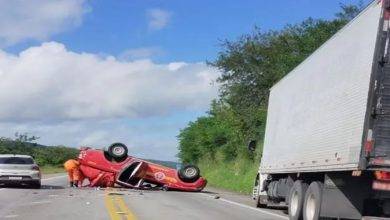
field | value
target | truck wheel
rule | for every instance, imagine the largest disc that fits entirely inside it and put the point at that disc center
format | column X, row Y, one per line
column 313, row 198
column 296, row 200
column 189, row 173
column 261, row 201
column 386, row 208
column 117, row 150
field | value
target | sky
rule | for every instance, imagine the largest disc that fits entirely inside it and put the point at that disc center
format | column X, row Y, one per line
column 90, row 73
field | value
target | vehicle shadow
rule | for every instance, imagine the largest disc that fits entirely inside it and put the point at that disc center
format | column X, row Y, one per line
column 51, row 187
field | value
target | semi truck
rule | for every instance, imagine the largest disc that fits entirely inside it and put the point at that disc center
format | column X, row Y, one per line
column 326, row 151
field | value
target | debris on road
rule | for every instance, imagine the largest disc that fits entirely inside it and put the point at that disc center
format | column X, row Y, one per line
column 115, row 194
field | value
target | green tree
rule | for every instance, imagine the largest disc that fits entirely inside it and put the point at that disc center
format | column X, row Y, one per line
column 44, row 155
column 250, row 66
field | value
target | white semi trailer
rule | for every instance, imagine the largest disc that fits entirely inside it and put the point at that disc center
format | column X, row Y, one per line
column 327, row 141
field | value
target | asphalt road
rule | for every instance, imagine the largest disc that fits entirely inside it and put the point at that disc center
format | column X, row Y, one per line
column 56, row 201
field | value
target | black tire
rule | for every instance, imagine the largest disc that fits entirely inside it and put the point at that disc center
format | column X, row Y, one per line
column 117, row 151
column 260, row 201
column 189, row 173
column 296, row 200
column 313, row 198
column 36, row 185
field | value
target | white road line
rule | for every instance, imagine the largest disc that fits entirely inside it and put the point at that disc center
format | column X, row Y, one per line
column 11, row 216
column 248, row 207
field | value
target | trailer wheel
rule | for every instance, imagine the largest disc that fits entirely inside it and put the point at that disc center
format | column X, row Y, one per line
column 313, row 198
column 296, row 200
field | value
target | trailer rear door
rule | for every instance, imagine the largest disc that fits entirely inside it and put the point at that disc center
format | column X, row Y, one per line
column 376, row 141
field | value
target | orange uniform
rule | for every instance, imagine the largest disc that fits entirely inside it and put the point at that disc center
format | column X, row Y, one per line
column 72, row 167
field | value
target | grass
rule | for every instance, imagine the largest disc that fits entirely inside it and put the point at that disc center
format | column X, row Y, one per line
column 238, row 175
column 49, row 169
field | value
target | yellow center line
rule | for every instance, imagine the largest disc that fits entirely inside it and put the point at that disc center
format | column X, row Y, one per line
column 111, row 208
column 116, row 206
column 122, row 205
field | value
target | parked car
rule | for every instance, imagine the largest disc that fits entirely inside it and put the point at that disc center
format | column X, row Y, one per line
column 113, row 166
column 19, row 169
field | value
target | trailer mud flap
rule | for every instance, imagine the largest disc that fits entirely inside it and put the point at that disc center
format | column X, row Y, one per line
column 343, row 196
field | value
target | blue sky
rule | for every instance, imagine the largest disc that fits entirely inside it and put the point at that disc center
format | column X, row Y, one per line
column 131, row 71
column 193, row 31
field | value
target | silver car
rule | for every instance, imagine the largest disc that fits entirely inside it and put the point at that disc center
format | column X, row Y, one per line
column 19, row 169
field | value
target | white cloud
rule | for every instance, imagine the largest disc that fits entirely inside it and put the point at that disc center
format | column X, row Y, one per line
column 158, row 18
column 176, row 65
column 140, row 53
column 76, row 99
column 38, row 19
column 50, row 83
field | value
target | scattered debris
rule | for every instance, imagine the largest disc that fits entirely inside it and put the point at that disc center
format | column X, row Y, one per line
column 217, row 197
column 115, row 194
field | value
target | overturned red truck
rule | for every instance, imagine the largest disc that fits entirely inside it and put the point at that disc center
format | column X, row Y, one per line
column 112, row 166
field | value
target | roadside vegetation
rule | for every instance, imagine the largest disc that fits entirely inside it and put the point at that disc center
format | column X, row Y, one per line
column 49, row 169
column 250, row 65
column 49, row 158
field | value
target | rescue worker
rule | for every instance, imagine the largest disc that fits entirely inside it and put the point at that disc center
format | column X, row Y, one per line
column 72, row 167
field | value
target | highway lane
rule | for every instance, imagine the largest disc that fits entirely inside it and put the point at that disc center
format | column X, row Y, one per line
column 56, row 201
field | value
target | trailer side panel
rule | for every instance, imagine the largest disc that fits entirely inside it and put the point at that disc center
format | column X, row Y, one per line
column 316, row 113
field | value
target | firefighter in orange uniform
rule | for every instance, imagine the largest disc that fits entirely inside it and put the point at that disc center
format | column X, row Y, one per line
column 75, row 177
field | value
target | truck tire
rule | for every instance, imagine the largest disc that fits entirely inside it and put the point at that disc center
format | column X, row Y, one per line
column 117, row 151
column 36, row 185
column 296, row 200
column 313, row 198
column 189, row 173
column 260, row 202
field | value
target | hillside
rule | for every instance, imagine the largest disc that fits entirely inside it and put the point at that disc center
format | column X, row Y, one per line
column 44, row 155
